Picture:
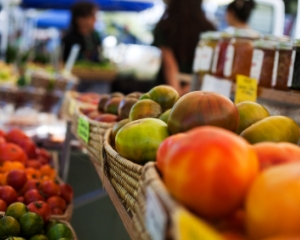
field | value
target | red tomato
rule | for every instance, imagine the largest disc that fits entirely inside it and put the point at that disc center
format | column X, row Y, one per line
column 8, row 194
column 29, row 147
column 3, row 206
column 43, row 153
column 2, row 134
column 57, row 202
column 16, row 179
column 2, row 140
column 12, row 152
column 32, row 196
column 15, row 136
column 36, row 164
column 66, row 192
column 57, row 211
column 50, row 188
column 41, row 208
column 29, row 185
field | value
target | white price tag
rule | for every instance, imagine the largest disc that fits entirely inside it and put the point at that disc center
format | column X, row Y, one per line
column 257, row 61
column 213, row 84
column 156, row 218
column 215, row 60
column 275, row 68
column 206, row 58
column 197, row 60
column 290, row 80
column 229, row 61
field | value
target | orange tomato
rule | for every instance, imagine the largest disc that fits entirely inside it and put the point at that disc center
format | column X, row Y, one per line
column 272, row 203
column 209, row 170
column 3, row 181
column 47, row 170
column 32, row 173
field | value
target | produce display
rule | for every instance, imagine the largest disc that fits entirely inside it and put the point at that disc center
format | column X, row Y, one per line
column 233, row 166
column 8, row 75
column 26, row 175
column 32, row 222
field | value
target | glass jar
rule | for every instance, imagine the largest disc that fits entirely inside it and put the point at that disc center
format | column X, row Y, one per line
column 263, row 62
column 284, row 66
column 220, row 55
column 203, row 57
column 295, row 82
column 239, row 53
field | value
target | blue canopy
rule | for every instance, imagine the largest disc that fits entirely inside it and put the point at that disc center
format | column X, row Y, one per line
column 54, row 18
column 105, row 5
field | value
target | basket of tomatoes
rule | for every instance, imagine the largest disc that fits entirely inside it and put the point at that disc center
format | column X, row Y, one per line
column 33, row 222
column 27, row 176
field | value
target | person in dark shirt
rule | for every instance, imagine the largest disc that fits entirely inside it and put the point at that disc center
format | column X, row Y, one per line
column 82, row 32
column 177, row 34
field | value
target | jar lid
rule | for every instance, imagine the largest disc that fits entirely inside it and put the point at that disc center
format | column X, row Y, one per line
column 204, row 36
column 282, row 38
column 265, row 44
column 246, row 33
column 285, row 45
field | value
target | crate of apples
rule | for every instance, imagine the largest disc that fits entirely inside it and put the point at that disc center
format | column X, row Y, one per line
column 26, row 176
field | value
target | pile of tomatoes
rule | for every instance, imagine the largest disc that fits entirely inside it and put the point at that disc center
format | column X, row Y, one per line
column 26, row 175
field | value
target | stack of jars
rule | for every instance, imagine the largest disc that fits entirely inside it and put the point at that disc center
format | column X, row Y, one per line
column 271, row 60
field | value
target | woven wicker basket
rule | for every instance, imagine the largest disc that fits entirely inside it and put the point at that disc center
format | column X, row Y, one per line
column 70, row 104
column 97, row 131
column 123, row 174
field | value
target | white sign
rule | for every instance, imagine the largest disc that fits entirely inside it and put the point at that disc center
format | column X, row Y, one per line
column 213, row 84
column 229, row 61
column 156, row 218
column 257, row 62
column 290, row 80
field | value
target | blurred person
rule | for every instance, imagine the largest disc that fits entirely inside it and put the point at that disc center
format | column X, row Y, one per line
column 238, row 13
column 82, row 32
column 177, row 35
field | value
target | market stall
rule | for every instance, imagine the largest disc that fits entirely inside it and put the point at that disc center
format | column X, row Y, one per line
column 212, row 156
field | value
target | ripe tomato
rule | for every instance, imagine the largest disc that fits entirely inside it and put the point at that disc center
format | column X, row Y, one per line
column 2, row 140
column 12, row 152
column 66, row 192
column 44, row 155
column 41, row 208
column 47, row 170
column 8, row 194
column 29, row 185
column 2, row 134
column 3, row 206
column 57, row 211
column 29, row 147
column 16, row 179
column 57, row 202
column 15, row 136
column 32, row 196
column 20, row 199
column 33, row 164
column 50, row 188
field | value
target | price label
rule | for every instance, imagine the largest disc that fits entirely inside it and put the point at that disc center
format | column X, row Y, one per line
column 189, row 227
column 156, row 218
column 83, row 129
column 246, row 89
column 213, row 84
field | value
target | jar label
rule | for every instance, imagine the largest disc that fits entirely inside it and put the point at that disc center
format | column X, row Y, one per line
column 291, row 73
column 206, row 58
column 257, row 62
column 215, row 60
column 275, row 68
column 197, row 59
column 229, row 61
